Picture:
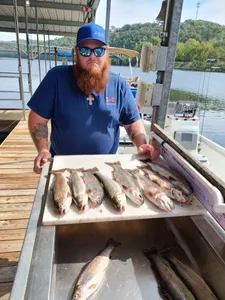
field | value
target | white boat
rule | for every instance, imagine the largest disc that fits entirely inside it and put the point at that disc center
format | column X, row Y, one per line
column 183, row 125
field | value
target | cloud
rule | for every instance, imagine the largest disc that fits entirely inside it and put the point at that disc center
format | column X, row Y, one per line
column 128, row 12
column 141, row 11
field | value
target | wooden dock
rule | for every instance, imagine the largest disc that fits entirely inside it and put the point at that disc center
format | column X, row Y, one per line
column 18, row 185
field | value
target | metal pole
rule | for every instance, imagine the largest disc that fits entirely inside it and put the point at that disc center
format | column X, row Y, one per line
column 39, row 62
column 19, row 57
column 49, row 51
column 107, row 22
column 55, row 54
column 172, row 25
column 28, row 48
column 45, row 49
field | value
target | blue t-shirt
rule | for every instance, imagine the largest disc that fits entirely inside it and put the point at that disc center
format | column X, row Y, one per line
column 77, row 126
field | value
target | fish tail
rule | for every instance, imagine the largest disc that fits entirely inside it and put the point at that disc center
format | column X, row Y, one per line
column 77, row 170
column 93, row 170
column 112, row 164
column 113, row 242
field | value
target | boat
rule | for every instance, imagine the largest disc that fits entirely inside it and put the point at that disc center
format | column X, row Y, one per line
column 182, row 124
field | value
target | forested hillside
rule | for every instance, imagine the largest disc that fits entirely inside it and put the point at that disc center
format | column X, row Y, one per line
column 198, row 40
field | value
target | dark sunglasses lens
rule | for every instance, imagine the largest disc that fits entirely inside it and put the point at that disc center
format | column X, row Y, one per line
column 99, row 52
column 85, row 51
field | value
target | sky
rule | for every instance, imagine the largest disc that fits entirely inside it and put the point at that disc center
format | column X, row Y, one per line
column 141, row 11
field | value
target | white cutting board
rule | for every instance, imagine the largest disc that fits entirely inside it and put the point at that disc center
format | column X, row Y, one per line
column 106, row 212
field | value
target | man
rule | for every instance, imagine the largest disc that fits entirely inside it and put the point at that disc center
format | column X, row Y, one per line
column 86, row 103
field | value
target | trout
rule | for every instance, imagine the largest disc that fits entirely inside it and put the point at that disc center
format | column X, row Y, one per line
column 194, row 282
column 170, row 281
column 153, row 192
column 172, row 176
column 61, row 193
column 92, row 276
column 113, row 191
column 78, row 188
column 94, row 188
column 125, row 180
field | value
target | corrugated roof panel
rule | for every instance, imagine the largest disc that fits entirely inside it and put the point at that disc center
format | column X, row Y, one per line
column 6, row 10
column 68, row 15
column 51, row 15
column 60, row 15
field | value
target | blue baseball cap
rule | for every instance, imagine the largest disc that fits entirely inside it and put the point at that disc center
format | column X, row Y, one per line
column 91, row 31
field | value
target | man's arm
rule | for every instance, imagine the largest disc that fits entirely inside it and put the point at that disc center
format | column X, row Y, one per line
column 136, row 132
column 39, row 131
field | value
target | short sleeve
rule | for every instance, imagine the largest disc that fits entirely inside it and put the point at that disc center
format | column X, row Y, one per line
column 42, row 101
column 129, row 113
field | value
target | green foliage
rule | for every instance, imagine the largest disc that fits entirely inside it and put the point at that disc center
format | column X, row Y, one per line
column 198, row 41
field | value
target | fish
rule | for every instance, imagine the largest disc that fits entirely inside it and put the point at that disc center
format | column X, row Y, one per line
column 172, row 191
column 94, row 188
column 78, row 187
column 172, row 176
column 153, row 192
column 113, row 190
column 193, row 281
column 173, row 285
column 125, row 180
column 90, row 279
column 61, row 193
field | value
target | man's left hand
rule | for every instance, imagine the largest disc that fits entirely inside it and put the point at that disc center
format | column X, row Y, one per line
column 149, row 149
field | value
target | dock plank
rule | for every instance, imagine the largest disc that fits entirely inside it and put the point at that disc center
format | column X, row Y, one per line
column 16, row 199
column 7, row 274
column 13, row 224
column 10, row 246
column 9, row 258
column 14, row 215
column 15, row 207
column 21, row 192
column 11, row 235
column 18, row 185
column 5, row 289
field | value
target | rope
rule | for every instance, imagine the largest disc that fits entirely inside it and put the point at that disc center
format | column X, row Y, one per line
column 205, row 104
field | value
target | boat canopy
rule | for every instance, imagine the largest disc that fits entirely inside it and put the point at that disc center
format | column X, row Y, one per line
column 123, row 51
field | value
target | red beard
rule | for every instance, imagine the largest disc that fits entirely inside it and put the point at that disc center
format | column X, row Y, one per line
column 94, row 79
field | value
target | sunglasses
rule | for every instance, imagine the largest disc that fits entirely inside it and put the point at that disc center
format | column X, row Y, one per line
column 85, row 51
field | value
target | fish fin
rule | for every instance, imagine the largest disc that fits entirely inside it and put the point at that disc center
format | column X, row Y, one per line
column 126, row 188
column 57, row 171
column 93, row 170
column 113, row 242
column 111, row 164
column 93, row 286
column 69, row 194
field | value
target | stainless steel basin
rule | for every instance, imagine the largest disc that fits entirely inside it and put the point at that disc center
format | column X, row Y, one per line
column 53, row 256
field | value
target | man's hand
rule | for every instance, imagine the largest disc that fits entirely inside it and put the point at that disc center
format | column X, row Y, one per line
column 149, row 149
column 40, row 160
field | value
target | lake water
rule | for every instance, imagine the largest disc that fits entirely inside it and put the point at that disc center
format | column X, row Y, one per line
column 207, row 85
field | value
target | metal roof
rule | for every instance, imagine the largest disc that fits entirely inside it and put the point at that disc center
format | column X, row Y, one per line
column 55, row 17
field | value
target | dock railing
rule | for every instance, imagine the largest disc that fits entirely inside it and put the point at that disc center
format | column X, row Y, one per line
column 15, row 75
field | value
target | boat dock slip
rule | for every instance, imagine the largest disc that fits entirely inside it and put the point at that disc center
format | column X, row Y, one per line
column 18, row 185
